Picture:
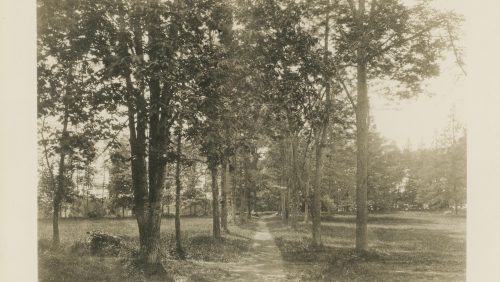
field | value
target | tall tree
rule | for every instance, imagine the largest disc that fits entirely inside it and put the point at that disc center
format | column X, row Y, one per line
column 178, row 188
column 213, row 85
column 148, row 53
column 322, row 135
column 385, row 40
column 70, row 119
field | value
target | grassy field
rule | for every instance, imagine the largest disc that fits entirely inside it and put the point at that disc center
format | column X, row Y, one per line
column 404, row 246
column 72, row 261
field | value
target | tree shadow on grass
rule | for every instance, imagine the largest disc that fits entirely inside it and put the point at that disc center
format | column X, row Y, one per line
column 377, row 219
column 396, row 254
column 204, row 247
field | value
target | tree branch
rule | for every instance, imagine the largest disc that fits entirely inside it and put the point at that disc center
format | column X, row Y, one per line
column 123, row 125
column 347, row 92
column 400, row 42
column 455, row 51
column 45, row 152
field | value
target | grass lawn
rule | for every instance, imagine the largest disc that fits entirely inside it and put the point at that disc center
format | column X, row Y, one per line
column 404, row 246
column 72, row 261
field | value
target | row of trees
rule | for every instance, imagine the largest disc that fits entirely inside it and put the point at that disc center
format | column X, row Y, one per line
column 425, row 178
column 229, row 79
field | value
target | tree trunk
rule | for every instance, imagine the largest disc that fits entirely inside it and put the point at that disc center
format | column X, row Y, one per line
column 283, row 206
column 248, row 185
column 156, row 180
column 316, row 224
column 295, row 184
column 138, row 162
column 215, row 203
column 306, row 167
column 283, row 180
column 55, row 223
column 147, row 194
column 255, row 200
column 307, row 200
column 249, row 203
column 362, row 113
column 139, row 185
column 316, row 205
column 60, row 182
column 223, row 184
column 243, row 201
column 178, row 187
column 233, row 190
column 136, row 107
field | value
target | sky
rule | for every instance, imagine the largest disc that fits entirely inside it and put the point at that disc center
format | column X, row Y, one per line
column 420, row 119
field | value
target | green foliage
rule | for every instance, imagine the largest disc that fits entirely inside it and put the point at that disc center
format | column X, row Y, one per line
column 71, row 119
column 288, row 63
column 120, row 184
column 403, row 44
column 101, row 243
column 439, row 175
column 385, row 173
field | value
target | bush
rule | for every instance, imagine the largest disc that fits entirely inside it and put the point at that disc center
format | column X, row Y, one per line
column 101, row 243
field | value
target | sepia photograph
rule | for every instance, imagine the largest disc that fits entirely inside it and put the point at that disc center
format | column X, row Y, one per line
column 252, row 140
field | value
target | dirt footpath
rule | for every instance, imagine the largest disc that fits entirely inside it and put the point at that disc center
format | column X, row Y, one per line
column 264, row 263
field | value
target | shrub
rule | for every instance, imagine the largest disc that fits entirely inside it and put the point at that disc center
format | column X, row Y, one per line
column 102, row 243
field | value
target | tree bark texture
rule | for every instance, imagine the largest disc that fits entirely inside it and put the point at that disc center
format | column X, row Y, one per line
column 362, row 113
column 295, row 187
column 58, row 193
column 178, row 188
column 320, row 146
column 148, row 177
column 285, row 182
column 224, row 188
column 215, row 203
column 231, row 173
column 307, row 201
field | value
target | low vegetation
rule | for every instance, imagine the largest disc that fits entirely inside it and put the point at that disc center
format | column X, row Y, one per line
column 72, row 260
column 405, row 246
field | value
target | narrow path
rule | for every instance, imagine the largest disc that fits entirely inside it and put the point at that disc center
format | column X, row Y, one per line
column 264, row 263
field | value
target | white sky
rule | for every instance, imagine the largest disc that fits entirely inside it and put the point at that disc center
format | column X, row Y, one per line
column 418, row 120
